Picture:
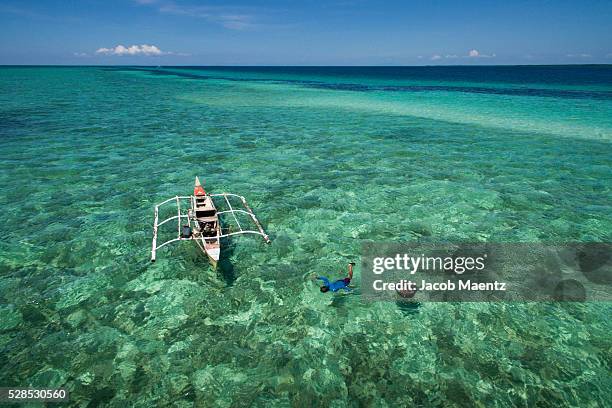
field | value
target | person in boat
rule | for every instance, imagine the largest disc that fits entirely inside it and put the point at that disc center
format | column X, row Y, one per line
column 339, row 284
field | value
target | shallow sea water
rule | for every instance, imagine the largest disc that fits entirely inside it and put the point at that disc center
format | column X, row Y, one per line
column 327, row 158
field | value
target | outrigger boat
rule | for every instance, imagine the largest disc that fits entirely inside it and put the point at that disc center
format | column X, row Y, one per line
column 202, row 222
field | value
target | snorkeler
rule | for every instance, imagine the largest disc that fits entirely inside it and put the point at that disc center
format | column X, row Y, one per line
column 339, row 284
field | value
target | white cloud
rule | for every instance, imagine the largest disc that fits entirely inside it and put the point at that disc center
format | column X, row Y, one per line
column 230, row 17
column 220, row 15
column 143, row 49
column 471, row 54
column 583, row 55
column 235, row 22
column 79, row 54
column 477, row 54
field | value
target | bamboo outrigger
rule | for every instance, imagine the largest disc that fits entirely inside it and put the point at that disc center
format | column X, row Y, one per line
column 202, row 222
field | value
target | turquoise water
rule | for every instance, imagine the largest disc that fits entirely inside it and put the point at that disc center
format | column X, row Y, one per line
column 327, row 157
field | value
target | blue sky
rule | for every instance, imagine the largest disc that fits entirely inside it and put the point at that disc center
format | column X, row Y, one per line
column 341, row 32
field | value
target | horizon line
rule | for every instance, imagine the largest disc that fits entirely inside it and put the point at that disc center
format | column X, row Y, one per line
column 303, row 66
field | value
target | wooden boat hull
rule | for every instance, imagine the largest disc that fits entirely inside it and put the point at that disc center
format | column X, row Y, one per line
column 208, row 228
column 211, row 249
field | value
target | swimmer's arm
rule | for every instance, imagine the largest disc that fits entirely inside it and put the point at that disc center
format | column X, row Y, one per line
column 324, row 280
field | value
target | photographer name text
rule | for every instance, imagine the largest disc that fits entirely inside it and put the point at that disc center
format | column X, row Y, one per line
column 425, row 286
